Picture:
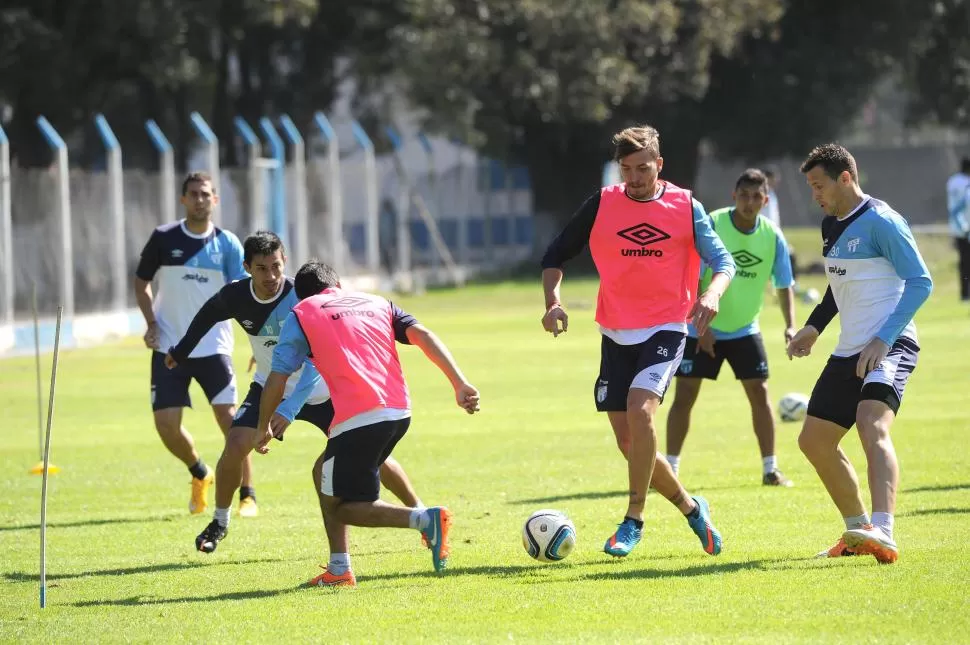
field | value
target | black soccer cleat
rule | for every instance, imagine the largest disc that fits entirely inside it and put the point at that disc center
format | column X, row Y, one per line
column 776, row 478
column 208, row 540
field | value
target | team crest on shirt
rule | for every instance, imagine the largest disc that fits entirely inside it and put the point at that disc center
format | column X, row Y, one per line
column 853, row 244
column 216, row 258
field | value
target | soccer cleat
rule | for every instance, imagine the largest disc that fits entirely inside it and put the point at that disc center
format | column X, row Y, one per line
column 327, row 579
column 436, row 536
column 869, row 540
column 622, row 542
column 200, row 487
column 208, row 540
column 838, row 550
column 703, row 527
column 247, row 507
column 776, row 478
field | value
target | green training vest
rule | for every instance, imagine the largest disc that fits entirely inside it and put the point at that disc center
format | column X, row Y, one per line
column 754, row 256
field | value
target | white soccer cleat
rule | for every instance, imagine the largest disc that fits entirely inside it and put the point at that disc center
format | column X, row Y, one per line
column 869, row 540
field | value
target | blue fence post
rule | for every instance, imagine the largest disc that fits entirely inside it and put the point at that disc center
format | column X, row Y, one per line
column 211, row 143
column 166, row 171
column 255, row 174
column 6, row 234
column 335, row 221
column 298, row 189
column 403, row 220
column 434, row 189
column 372, row 259
column 65, row 285
column 278, row 190
column 116, row 206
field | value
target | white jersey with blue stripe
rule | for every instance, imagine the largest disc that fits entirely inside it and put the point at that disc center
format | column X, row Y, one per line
column 190, row 268
column 876, row 274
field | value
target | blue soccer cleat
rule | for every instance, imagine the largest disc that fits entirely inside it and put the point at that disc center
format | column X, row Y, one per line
column 703, row 527
column 622, row 542
column 436, row 536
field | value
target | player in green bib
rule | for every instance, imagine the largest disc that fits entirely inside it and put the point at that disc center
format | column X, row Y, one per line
column 760, row 253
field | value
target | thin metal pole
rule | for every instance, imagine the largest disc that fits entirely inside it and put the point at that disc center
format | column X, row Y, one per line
column 40, row 395
column 47, row 455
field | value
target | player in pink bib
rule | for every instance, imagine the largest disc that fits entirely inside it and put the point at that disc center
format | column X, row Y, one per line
column 351, row 338
column 647, row 238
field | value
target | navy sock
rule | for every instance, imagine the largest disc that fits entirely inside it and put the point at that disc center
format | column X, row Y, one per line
column 694, row 514
column 199, row 470
column 637, row 523
column 247, row 491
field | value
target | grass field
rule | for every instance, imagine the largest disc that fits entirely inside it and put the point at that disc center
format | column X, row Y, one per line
column 122, row 564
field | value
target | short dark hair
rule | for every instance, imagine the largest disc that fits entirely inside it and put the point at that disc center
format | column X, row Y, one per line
column 635, row 139
column 834, row 160
column 199, row 176
column 965, row 165
column 261, row 243
column 752, row 177
column 313, row 277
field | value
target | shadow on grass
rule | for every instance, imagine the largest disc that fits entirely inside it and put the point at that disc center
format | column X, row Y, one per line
column 950, row 510
column 603, row 494
column 255, row 594
column 23, row 576
column 86, row 523
column 937, row 488
column 714, row 568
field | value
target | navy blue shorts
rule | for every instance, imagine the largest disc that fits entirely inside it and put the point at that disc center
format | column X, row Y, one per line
column 649, row 365
column 320, row 415
column 839, row 391
column 746, row 356
column 170, row 388
column 352, row 460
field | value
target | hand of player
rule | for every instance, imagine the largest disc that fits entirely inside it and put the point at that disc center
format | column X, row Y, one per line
column 789, row 334
column 252, row 364
column 705, row 343
column 872, row 354
column 151, row 336
column 802, row 342
column 264, row 437
column 704, row 310
column 170, row 362
column 467, row 398
column 278, row 425
column 554, row 316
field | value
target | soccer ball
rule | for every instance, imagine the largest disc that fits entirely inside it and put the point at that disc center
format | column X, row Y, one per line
column 548, row 535
column 793, row 407
column 811, row 296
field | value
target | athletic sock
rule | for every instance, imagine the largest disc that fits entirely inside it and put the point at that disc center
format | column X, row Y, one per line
column 221, row 515
column 247, row 491
column 199, row 470
column 339, row 563
column 884, row 521
column 674, row 461
column 769, row 464
column 420, row 519
column 637, row 523
column 856, row 521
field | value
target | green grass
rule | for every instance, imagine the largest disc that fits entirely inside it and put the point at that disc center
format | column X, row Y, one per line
column 122, row 566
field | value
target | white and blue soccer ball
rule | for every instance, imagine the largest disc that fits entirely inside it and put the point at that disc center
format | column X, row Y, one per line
column 793, row 407
column 811, row 295
column 548, row 535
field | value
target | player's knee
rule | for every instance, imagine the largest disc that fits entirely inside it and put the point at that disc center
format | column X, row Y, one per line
column 168, row 423
column 757, row 391
column 812, row 444
column 239, row 442
column 872, row 431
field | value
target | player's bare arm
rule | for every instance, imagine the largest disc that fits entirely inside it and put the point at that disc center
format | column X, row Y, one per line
column 555, row 320
column 786, row 300
column 144, row 298
column 466, row 395
column 706, row 306
column 272, row 396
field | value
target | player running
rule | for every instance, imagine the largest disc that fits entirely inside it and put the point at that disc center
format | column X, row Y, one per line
column 191, row 259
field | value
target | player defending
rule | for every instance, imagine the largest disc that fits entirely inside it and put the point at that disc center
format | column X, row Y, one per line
column 350, row 339
column 647, row 237
column 192, row 259
column 760, row 252
column 877, row 282
column 260, row 304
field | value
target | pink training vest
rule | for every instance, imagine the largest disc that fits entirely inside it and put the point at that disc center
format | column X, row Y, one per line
column 646, row 258
column 351, row 337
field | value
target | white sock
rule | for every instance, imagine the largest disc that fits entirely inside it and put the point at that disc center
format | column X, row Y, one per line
column 419, row 519
column 674, row 461
column 222, row 516
column 884, row 521
column 856, row 521
column 339, row 563
column 769, row 464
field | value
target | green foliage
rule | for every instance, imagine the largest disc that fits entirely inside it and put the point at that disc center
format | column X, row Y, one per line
column 939, row 66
